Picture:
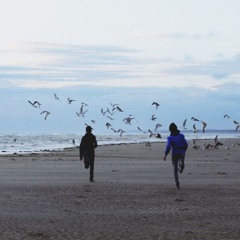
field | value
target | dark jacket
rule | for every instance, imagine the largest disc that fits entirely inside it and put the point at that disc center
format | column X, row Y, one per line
column 177, row 143
column 87, row 145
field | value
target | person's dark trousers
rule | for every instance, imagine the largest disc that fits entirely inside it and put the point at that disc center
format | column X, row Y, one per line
column 177, row 161
column 91, row 163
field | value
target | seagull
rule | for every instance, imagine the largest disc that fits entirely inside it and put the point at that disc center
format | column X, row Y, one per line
column 103, row 113
column 114, row 105
column 158, row 126
column 46, row 114
column 81, row 114
column 118, row 109
column 194, row 128
column 108, row 125
column 34, row 104
column 56, row 97
column 140, row 129
column 226, row 116
column 237, row 125
column 153, row 117
column 184, row 124
column 235, row 122
column 148, row 144
column 115, row 131
column 128, row 119
column 70, row 100
column 156, row 104
column 110, row 118
column 194, row 119
column 204, row 126
column 121, row 132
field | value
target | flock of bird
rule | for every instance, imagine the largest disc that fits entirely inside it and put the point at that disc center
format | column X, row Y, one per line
column 115, row 108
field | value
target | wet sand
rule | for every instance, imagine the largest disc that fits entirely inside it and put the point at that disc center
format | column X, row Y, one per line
column 49, row 196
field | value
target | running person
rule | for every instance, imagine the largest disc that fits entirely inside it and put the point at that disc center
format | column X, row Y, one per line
column 178, row 144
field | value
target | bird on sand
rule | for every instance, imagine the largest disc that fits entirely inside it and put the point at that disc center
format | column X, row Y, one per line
column 46, row 114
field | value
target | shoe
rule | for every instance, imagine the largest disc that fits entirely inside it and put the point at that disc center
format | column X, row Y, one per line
column 178, row 185
column 91, row 180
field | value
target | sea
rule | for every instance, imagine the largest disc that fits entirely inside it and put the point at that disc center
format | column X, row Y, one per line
column 41, row 142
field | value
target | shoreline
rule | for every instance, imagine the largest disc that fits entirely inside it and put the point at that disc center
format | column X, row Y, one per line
column 202, row 140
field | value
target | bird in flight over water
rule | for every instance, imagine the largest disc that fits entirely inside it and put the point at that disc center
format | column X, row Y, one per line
column 46, row 114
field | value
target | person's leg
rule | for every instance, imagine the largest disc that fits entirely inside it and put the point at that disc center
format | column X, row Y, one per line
column 91, row 170
column 182, row 164
column 86, row 161
column 175, row 170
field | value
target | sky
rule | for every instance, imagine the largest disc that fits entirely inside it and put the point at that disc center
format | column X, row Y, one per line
column 185, row 55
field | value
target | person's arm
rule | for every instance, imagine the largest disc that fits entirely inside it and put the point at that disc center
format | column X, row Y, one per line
column 81, row 149
column 167, row 150
column 95, row 143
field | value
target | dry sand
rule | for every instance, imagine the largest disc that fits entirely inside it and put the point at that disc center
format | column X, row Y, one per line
column 49, row 196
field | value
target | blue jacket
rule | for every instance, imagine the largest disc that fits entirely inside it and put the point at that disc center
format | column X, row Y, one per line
column 177, row 143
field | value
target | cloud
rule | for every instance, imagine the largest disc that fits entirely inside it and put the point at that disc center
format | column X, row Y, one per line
column 185, row 35
column 61, row 66
column 218, row 69
column 58, row 65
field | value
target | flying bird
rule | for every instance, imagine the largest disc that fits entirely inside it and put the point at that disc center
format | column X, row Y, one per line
column 56, row 97
column 194, row 128
column 35, row 103
column 156, row 104
column 81, row 114
column 46, row 114
column 121, row 132
column 70, row 100
column 140, row 130
column 226, row 116
column 108, row 125
column 118, row 109
column 204, row 126
column 128, row 119
column 153, row 117
column 184, row 124
column 237, row 125
column 194, row 119
column 158, row 126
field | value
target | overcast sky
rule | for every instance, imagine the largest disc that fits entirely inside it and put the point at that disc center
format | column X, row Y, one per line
column 184, row 55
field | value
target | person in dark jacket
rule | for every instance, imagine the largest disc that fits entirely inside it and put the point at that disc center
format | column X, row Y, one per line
column 86, row 149
column 178, row 144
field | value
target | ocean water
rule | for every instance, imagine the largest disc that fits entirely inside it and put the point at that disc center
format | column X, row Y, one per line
column 20, row 143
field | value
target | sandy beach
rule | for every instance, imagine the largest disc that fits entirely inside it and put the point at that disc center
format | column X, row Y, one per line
column 48, row 195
